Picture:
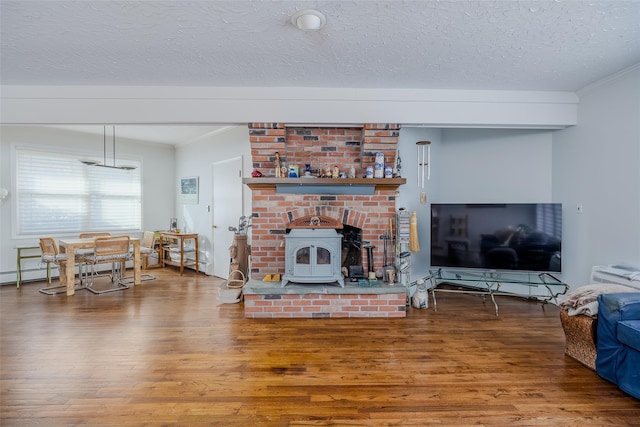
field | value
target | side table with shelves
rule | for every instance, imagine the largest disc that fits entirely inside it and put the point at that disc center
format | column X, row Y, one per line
column 27, row 252
column 543, row 287
column 174, row 251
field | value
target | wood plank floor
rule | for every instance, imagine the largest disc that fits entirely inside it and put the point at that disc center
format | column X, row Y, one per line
column 164, row 353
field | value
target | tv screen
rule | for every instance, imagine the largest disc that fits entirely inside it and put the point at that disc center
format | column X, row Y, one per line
column 508, row 236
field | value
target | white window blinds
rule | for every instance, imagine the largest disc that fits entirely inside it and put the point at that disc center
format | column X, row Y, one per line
column 56, row 193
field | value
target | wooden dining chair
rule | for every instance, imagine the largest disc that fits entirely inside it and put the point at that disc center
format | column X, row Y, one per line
column 83, row 254
column 147, row 248
column 114, row 250
column 51, row 255
column 90, row 235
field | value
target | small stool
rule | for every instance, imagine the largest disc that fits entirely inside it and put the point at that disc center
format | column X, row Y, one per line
column 21, row 256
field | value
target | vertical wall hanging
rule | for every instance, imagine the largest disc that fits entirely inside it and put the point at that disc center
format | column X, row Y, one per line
column 189, row 190
column 424, row 167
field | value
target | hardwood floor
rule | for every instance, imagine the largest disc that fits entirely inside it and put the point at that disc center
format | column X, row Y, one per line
column 164, row 353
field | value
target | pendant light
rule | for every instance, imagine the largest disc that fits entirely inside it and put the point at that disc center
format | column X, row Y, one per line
column 104, row 149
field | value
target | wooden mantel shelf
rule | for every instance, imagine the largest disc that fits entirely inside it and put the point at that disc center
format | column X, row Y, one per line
column 322, row 185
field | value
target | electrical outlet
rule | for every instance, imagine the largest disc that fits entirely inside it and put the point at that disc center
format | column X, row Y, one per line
column 579, row 208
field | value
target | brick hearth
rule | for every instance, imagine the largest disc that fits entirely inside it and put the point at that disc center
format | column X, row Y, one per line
column 268, row 300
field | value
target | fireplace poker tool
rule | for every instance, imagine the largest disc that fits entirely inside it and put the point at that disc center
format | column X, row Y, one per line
column 369, row 247
column 387, row 252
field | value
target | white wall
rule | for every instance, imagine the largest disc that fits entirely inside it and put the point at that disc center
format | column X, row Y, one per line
column 473, row 166
column 196, row 159
column 158, row 180
column 597, row 164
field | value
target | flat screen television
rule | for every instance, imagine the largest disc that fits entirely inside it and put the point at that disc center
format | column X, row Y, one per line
column 504, row 236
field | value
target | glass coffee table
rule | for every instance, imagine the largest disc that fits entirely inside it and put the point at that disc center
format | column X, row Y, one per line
column 542, row 287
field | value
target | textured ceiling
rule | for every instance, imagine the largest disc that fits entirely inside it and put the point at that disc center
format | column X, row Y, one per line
column 510, row 45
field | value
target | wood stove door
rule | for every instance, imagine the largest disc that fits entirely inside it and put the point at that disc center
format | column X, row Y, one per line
column 323, row 260
column 312, row 261
column 302, row 264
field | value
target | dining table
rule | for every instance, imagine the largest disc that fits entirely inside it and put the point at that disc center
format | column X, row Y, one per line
column 70, row 247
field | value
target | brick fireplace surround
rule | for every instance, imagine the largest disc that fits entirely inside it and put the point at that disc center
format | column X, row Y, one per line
column 321, row 147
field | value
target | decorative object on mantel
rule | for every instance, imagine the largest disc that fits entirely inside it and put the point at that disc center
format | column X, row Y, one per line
column 398, row 165
column 378, row 170
column 256, row 173
column 369, row 173
column 277, row 165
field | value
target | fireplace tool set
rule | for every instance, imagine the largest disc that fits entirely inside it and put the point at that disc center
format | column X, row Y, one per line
column 388, row 270
column 372, row 272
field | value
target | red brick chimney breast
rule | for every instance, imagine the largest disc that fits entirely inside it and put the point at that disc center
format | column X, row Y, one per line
column 344, row 147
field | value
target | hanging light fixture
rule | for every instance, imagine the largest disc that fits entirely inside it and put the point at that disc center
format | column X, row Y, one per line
column 104, row 149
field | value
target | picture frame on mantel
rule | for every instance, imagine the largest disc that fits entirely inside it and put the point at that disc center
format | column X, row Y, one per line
column 189, row 190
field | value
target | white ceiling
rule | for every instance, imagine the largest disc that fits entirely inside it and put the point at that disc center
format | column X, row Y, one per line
column 429, row 44
column 511, row 45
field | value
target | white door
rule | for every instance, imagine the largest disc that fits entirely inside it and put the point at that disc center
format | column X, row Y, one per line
column 227, row 210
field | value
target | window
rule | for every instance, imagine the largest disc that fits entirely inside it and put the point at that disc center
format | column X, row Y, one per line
column 56, row 193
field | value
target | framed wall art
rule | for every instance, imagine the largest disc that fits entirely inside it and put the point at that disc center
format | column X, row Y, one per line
column 189, row 190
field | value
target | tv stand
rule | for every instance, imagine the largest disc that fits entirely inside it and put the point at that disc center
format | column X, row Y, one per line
column 532, row 285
